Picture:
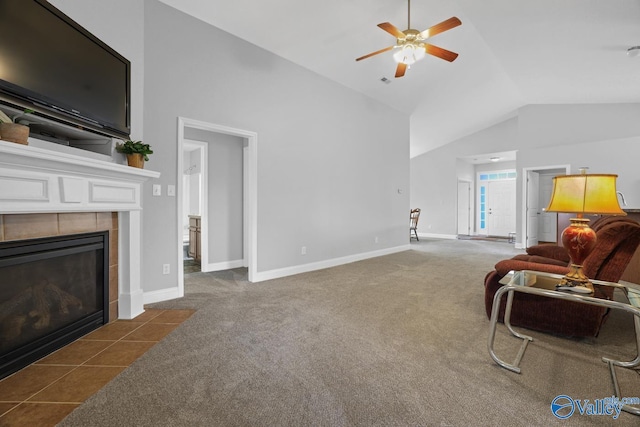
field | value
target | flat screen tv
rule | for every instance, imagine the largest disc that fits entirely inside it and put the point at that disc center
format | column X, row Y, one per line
column 48, row 62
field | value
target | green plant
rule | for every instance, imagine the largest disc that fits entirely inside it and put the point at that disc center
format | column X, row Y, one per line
column 6, row 119
column 135, row 147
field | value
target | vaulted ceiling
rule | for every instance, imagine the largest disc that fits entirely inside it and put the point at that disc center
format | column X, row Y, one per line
column 512, row 53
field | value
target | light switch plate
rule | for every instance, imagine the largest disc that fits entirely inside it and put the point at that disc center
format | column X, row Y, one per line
column 157, row 190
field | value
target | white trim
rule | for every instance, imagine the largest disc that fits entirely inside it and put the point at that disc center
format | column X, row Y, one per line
column 305, row 268
column 203, row 147
column 224, row 265
column 161, row 295
column 245, row 202
column 439, row 236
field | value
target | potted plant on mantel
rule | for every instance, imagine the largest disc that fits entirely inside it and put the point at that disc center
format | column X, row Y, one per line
column 11, row 130
column 137, row 153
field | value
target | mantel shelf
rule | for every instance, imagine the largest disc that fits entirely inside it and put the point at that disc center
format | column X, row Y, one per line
column 34, row 180
column 12, row 155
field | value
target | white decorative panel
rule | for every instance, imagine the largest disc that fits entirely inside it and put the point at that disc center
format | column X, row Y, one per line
column 22, row 189
column 105, row 193
column 71, row 190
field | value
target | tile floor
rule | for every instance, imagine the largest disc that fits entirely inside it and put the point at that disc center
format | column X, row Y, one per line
column 45, row 392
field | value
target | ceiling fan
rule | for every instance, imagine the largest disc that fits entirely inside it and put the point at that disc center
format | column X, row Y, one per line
column 411, row 46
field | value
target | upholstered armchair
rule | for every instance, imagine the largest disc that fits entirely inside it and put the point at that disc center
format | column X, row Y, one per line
column 618, row 239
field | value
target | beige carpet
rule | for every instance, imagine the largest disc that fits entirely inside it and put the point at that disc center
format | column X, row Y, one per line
column 399, row 340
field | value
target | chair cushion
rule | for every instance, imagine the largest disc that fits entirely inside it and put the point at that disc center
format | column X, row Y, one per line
column 541, row 260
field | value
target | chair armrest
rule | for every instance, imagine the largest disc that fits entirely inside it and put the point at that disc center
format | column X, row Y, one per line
column 505, row 266
column 550, row 251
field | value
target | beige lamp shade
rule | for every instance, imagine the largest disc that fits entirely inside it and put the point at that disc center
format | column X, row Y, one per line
column 585, row 193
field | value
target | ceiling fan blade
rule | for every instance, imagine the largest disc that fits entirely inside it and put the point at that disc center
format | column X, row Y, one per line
column 441, row 27
column 391, row 29
column 445, row 54
column 401, row 69
column 375, row 53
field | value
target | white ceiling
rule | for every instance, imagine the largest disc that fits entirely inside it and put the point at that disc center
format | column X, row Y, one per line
column 512, row 53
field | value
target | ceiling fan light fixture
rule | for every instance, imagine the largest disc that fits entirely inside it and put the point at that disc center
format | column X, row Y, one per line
column 409, row 53
column 634, row 51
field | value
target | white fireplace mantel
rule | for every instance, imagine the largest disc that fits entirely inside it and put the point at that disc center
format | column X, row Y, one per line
column 38, row 180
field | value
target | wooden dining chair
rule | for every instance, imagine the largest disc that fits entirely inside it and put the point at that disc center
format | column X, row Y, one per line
column 413, row 225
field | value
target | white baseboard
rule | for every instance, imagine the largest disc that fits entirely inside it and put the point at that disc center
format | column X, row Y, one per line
column 439, row 236
column 161, row 295
column 219, row 266
column 305, row 268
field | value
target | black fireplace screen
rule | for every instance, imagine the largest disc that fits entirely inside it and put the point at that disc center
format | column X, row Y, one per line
column 52, row 291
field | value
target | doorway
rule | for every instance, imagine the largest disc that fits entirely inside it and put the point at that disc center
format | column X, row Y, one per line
column 539, row 225
column 248, row 197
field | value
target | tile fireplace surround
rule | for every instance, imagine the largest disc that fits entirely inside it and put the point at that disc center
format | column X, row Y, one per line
column 48, row 193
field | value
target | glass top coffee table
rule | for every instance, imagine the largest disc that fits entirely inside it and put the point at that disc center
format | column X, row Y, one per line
column 544, row 284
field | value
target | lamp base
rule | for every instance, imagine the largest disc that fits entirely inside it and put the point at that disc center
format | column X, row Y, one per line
column 575, row 281
column 579, row 240
column 576, row 289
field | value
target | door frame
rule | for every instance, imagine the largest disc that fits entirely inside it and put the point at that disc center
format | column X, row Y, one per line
column 470, row 216
column 203, row 147
column 525, row 190
column 250, row 208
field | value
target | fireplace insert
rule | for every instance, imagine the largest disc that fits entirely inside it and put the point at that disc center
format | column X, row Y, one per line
column 52, row 291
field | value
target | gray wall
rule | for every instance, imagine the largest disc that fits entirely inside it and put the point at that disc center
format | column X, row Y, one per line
column 225, row 199
column 604, row 137
column 435, row 175
column 325, row 153
column 330, row 160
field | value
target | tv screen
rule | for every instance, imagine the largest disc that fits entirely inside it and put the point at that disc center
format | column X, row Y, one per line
column 50, row 63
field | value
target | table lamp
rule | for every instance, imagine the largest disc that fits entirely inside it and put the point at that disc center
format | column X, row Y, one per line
column 582, row 194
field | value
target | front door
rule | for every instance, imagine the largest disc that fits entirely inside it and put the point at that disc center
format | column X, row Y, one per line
column 501, row 207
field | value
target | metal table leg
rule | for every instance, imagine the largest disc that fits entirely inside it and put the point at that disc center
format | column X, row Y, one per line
column 495, row 310
column 635, row 410
column 514, row 367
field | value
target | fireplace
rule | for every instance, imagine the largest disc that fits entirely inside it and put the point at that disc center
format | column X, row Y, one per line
column 52, row 291
column 38, row 183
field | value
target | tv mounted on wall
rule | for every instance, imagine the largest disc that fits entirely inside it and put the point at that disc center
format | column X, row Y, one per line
column 49, row 63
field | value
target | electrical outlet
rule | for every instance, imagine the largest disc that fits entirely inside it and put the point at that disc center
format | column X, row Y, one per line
column 303, row 250
column 166, row 268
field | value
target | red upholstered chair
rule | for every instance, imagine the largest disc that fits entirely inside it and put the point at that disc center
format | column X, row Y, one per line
column 618, row 239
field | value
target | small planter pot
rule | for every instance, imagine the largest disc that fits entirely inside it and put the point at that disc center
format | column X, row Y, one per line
column 14, row 132
column 135, row 160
